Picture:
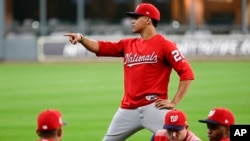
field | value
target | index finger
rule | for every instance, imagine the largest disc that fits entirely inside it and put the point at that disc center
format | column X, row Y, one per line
column 69, row 34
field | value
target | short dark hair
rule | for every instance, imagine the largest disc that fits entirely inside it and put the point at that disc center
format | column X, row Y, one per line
column 155, row 22
column 47, row 133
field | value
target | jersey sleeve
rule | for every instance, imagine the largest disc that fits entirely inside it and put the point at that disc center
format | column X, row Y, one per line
column 112, row 49
column 179, row 63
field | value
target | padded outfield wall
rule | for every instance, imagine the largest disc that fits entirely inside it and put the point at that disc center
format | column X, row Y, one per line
column 58, row 48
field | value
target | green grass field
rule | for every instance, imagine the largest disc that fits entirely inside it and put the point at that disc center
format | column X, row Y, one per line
column 88, row 94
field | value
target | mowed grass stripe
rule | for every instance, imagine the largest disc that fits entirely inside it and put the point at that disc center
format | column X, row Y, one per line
column 88, row 94
column 222, row 84
column 63, row 86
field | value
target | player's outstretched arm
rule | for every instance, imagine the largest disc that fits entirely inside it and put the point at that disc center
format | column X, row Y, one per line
column 89, row 44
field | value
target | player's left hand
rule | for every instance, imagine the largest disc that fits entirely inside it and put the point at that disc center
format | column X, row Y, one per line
column 164, row 104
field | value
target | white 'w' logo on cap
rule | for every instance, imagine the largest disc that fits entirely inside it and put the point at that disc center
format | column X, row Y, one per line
column 174, row 118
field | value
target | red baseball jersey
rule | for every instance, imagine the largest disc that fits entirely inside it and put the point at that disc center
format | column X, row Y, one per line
column 225, row 139
column 161, row 135
column 147, row 67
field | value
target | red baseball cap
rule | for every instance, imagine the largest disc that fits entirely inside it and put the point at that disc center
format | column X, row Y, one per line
column 221, row 116
column 175, row 119
column 146, row 9
column 49, row 120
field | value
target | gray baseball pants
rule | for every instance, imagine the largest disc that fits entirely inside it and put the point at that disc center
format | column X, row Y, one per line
column 126, row 122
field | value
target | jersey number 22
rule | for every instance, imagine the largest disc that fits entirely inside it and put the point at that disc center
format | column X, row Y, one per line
column 177, row 55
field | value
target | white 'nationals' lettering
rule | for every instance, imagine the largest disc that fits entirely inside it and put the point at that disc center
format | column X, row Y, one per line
column 177, row 55
column 136, row 59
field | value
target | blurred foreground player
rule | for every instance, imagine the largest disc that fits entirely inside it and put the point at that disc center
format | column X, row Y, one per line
column 175, row 128
column 218, row 124
column 49, row 125
column 148, row 61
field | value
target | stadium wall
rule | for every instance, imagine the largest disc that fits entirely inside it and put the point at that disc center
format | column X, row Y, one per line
column 20, row 48
column 58, row 49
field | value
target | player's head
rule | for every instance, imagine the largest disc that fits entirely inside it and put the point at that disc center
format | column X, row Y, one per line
column 218, row 123
column 146, row 9
column 49, row 124
column 176, row 125
column 219, row 115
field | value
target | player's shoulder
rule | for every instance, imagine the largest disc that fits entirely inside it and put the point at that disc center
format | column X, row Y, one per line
column 163, row 39
column 160, row 135
column 129, row 39
column 160, row 132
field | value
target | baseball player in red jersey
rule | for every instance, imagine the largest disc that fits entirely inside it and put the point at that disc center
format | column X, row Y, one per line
column 218, row 124
column 148, row 62
column 175, row 128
